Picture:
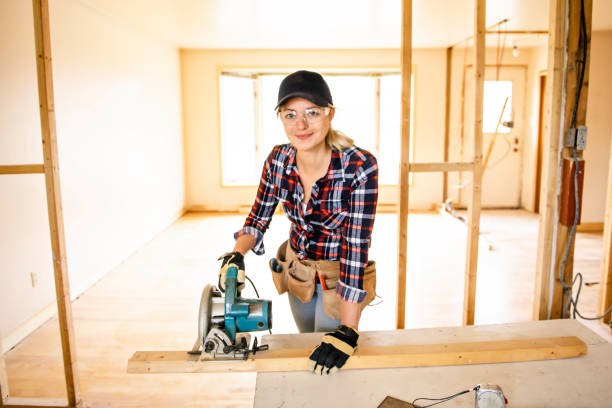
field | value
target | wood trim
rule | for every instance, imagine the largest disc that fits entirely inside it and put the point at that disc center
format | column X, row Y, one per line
column 404, row 176
column 540, row 146
column 15, row 402
column 22, row 169
column 473, row 221
column 449, row 67
column 440, row 167
column 554, row 108
column 604, row 300
column 560, row 296
column 42, row 36
column 368, row 356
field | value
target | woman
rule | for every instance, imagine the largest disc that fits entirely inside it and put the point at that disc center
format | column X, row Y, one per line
column 328, row 188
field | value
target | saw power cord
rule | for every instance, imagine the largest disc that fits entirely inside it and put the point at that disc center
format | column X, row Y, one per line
column 441, row 400
column 570, row 301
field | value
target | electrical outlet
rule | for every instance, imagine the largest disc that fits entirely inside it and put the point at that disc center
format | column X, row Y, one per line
column 34, row 277
column 581, row 138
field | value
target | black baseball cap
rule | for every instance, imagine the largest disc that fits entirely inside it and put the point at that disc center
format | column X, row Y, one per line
column 304, row 84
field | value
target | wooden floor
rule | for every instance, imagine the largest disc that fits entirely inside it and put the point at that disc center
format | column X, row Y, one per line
column 150, row 302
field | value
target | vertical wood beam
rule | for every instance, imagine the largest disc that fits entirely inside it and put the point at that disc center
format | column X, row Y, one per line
column 604, row 300
column 42, row 36
column 473, row 222
column 573, row 67
column 553, row 132
column 449, row 66
column 4, row 390
column 406, row 67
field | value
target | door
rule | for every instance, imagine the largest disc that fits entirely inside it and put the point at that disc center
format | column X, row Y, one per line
column 501, row 183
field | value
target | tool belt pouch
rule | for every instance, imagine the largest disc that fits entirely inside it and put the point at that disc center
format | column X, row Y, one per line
column 280, row 277
column 331, row 301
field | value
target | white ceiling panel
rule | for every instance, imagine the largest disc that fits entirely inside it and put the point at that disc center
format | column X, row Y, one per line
column 324, row 23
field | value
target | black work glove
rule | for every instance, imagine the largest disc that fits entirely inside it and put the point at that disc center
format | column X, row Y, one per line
column 336, row 347
column 235, row 259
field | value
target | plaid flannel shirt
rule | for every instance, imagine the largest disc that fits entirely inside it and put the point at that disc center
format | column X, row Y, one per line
column 337, row 221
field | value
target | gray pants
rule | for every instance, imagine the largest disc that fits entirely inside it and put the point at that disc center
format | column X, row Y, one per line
column 310, row 317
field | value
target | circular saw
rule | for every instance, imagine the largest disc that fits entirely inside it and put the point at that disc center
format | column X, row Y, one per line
column 225, row 323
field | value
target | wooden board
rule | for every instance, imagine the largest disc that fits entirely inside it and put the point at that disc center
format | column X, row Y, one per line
column 22, row 169
column 368, row 356
column 604, row 300
column 554, row 107
column 42, row 37
column 473, row 220
column 4, row 391
column 402, row 225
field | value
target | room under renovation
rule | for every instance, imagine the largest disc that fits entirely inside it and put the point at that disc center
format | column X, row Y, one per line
column 345, row 203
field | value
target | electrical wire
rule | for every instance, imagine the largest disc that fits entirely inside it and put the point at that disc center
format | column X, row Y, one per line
column 570, row 301
column 441, row 400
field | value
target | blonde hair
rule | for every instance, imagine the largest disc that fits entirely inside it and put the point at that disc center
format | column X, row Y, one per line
column 338, row 140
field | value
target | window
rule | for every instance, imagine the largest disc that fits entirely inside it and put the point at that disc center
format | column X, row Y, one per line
column 368, row 109
column 495, row 94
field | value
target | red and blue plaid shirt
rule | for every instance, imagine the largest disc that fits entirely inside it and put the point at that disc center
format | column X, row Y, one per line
column 337, row 222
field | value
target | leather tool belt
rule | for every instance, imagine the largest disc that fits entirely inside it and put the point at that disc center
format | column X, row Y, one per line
column 298, row 278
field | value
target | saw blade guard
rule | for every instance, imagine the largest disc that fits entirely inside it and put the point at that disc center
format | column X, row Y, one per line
column 244, row 315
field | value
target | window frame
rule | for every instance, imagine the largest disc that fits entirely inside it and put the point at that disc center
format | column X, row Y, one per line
column 255, row 73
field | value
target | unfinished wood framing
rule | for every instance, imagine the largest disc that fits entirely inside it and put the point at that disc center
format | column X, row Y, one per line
column 406, row 68
column 22, row 169
column 554, row 108
column 560, row 296
column 563, row 68
column 604, row 300
column 4, row 390
column 473, row 220
column 449, row 68
column 42, row 36
column 440, row 167
column 282, row 356
column 50, row 168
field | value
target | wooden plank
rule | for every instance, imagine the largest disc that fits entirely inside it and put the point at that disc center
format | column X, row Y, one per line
column 473, row 221
column 604, row 300
column 4, row 390
column 554, row 108
column 561, row 296
column 369, row 356
column 449, row 68
column 440, row 167
column 406, row 67
column 22, row 169
column 42, row 36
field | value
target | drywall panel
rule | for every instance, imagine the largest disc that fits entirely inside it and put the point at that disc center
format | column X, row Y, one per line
column 119, row 129
column 200, row 96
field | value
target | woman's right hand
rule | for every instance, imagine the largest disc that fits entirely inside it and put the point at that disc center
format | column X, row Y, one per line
column 232, row 259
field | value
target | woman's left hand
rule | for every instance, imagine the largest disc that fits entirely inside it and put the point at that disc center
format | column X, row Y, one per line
column 335, row 349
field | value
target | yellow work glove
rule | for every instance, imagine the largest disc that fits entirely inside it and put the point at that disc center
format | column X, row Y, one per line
column 235, row 259
column 335, row 349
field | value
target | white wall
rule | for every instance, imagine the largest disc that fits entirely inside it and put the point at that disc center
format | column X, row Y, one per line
column 119, row 129
column 599, row 123
column 200, row 90
column 598, row 120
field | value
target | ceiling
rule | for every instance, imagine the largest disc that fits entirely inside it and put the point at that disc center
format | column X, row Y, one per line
column 325, row 23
